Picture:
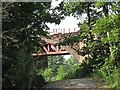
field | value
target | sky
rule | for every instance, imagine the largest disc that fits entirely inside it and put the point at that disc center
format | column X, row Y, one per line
column 68, row 22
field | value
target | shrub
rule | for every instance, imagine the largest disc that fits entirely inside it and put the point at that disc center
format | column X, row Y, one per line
column 84, row 70
column 113, row 79
column 48, row 74
column 67, row 72
column 61, row 73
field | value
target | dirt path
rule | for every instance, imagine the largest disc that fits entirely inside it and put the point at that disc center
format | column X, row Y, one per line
column 86, row 84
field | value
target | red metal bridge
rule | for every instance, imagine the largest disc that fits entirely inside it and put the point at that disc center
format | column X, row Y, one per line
column 51, row 44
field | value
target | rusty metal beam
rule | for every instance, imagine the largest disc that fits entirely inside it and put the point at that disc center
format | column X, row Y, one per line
column 52, row 53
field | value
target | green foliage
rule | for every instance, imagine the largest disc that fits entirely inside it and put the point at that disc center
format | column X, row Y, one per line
column 72, row 72
column 70, row 40
column 24, row 22
column 114, row 79
column 66, row 72
column 48, row 74
column 111, row 77
column 61, row 73
column 54, row 62
column 101, row 34
column 22, row 70
column 71, row 66
column 83, row 70
column 72, row 7
column 107, row 30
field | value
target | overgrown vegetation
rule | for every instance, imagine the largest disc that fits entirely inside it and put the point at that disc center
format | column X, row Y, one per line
column 101, row 34
column 24, row 22
column 62, row 69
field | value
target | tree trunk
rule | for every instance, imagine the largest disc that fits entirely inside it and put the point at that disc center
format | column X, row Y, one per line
column 88, row 13
column 105, row 10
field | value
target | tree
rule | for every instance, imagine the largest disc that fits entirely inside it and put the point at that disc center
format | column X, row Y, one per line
column 100, row 32
column 21, row 27
column 54, row 62
column 109, row 32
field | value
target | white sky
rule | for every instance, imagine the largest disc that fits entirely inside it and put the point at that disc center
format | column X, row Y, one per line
column 68, row 22
column 55, row 2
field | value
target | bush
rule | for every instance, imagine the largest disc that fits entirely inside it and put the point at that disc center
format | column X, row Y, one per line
column 61, row 73
column 113, row 79
column 84, row 70
column 48, row 74
column 71, row 73
column 67, row 72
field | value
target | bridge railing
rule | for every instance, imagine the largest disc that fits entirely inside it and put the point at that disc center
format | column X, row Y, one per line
column 63, row 30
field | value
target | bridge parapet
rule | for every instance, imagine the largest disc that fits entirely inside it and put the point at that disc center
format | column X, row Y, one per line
column 63, row 30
